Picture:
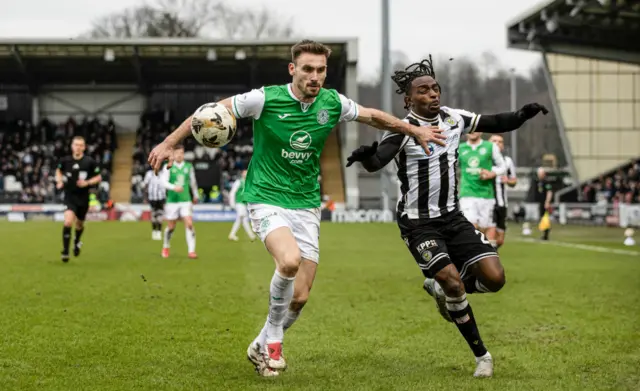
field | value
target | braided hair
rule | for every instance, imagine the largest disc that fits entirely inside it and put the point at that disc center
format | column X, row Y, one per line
column 404, row 78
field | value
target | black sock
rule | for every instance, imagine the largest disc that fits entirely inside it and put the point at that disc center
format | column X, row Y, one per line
column 470, row 284
column 462, row 316
column 545, row 234
column 154, row 226
column 66, row 239
column 78, row 235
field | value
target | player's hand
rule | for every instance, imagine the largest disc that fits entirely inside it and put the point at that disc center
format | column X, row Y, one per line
column 428, row 134
column 159, row 154
column 504, row 179
column 59, row 185
column 178, row 189
column 486, row 174
column 547, row 206
column 362, row 153
column 530, row 110
column 194, row 201
column 82, row 183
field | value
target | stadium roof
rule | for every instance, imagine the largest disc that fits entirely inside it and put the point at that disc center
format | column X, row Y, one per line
column 152, row 61
column 604, row 29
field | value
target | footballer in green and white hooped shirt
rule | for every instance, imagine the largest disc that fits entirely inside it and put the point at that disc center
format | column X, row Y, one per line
column 480, row 162
column 180, row 182
column 290, row 125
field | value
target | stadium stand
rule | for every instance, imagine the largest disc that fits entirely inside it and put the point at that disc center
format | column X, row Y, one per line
column 591, row 60
column 29, row 154
column 125, row 77
column 620, row 186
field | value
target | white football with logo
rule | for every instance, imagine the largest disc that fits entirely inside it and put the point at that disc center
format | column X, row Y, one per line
column 213, row 125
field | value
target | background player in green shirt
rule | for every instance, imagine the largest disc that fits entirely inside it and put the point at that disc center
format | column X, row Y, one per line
column 291, row 123
column 480, row 162
column 180, row 182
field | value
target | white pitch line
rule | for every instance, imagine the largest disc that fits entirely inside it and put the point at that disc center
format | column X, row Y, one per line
column 586, row 247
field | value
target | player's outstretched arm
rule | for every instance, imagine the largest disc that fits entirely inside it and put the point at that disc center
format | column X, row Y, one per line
column 245, row 105
column 384, row 121
column 376, row 156
column 507, row 122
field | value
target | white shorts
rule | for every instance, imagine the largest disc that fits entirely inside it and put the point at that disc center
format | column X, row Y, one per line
column 303, row 223
column 241, row 210
column 177, row 210
column 479, row 211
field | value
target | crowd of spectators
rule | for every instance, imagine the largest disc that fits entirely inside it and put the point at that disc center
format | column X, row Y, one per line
column 29, row 154
column 622, row 186
column 230, row 160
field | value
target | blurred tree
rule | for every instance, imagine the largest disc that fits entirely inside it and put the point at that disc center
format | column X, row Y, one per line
column 482, row 85
column 192, row 18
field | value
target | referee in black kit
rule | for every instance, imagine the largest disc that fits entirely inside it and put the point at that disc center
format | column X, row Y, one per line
column 76, row 173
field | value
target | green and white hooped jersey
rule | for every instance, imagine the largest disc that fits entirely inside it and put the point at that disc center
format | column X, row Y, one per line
column 473, row 159
column 288, row 138
column 180, row 174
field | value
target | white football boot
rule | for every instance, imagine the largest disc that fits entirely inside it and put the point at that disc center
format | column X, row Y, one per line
column 257, row 357
column 484, row 366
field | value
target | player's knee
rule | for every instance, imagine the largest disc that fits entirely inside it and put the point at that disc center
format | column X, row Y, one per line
column 450, row 281
column 79, row 224
column 494, row 279
column 289, row 263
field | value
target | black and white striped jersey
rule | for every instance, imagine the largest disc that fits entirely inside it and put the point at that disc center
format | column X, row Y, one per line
column 429, row 183
column 500, row 187
column 155, row 190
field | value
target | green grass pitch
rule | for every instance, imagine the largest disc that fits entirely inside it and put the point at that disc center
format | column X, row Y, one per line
column 120, row 317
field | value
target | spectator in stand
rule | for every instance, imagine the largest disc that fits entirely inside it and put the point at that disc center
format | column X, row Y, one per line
column 29, row 153
column 621, row 186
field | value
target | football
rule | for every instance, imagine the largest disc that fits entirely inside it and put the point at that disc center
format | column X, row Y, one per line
column 213, row 125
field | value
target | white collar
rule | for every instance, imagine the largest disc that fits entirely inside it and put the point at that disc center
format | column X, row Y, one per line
column 305, row 105
column 421, row 118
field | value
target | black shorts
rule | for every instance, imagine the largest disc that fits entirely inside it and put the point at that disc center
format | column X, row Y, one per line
column 78, row 207
column 438, row 242
column 157, row 205
column 500, row 217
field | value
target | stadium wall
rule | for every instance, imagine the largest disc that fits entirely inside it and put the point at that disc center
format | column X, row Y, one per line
column 586, row 214
column 599, row 103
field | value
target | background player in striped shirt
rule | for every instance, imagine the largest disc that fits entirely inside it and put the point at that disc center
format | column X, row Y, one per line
column 156, row 195
column 455, row 258
column 182, row 193
column 501, row 182
column 236, row 201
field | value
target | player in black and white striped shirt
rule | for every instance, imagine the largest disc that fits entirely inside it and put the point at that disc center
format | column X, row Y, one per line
column 156, row 195
column 454, row 257
column 500, row 185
